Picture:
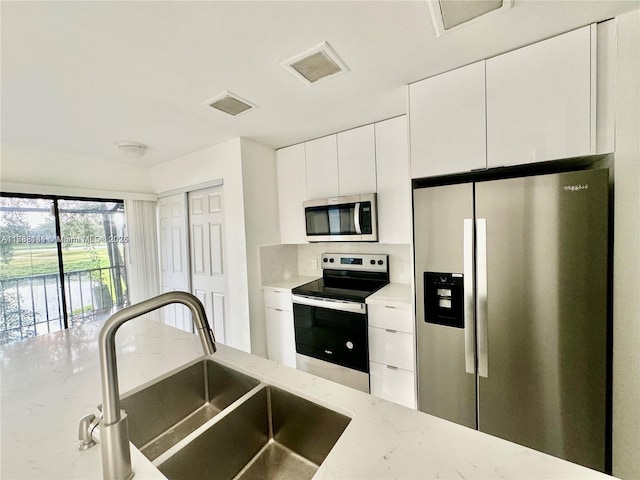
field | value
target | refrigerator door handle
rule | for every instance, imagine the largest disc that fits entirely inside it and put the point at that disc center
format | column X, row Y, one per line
column 481, row 266
column 469, row 317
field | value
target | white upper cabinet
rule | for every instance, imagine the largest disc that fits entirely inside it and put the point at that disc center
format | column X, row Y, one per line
column 448, row 123
column 539, row 101
column 605, row 85
column 394, row 183
column 369, row 159
column 357, row 161
column 546, row 101
column 322, row 168
column 292, row 191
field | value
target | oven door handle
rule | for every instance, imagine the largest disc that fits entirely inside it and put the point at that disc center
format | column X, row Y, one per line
column 353, row 307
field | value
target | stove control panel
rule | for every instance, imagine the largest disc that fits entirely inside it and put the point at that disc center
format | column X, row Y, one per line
column 356, row 261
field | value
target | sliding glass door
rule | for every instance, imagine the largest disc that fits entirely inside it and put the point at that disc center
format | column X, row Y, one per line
column 92, row 244
column 61, row 263
column 30, row 281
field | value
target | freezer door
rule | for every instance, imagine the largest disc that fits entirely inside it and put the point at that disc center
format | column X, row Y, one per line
column 445, row 389
column 542, row 312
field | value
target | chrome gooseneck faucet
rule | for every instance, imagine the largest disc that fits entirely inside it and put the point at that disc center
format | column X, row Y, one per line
column 114, row 431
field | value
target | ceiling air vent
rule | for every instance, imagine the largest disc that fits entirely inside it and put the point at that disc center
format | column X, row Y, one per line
column 316, row 64
column 230, row 103
column 449, row 14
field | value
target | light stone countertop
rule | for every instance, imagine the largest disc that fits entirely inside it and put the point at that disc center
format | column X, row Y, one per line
column 290, row 283
column 49, row 382
column 393, row 294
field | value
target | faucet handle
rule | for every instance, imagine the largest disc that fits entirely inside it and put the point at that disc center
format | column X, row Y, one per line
column 85, row 429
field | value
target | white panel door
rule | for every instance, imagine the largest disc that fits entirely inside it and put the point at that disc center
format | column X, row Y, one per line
column 357, row 161
column 208, row 265
column 174, row 257
column 394, row 181
column 322, row 168
column 292, row 191
column 447, row 122
column 539, row 101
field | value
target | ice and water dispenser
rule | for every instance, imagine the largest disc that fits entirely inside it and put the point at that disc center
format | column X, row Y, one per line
column 444, row 299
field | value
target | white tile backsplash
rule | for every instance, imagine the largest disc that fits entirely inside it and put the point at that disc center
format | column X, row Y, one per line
column 400, row 270
column 278, row 262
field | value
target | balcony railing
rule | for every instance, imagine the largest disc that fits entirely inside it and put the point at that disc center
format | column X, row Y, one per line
column 31, row 306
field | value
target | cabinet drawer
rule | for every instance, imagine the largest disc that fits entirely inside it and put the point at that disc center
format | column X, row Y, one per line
column 279, row 299
column 393, row 318
column 393, row 384
column 391, row 348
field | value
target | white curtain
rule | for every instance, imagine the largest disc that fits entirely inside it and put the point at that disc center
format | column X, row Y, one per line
column 143, row 266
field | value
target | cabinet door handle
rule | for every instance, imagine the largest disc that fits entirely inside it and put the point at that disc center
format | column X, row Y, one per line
column 278, row 310
column 391, row 367
column 390, row 331
column 389, row 306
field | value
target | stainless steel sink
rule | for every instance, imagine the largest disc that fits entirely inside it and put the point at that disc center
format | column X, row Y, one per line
column 165, row 412
column 270, row 434
column 208, row 421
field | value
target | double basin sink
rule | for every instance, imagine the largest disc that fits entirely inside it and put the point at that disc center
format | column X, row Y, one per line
column 208, row 421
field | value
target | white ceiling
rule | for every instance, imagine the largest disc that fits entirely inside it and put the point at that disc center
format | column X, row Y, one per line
column 77, row 77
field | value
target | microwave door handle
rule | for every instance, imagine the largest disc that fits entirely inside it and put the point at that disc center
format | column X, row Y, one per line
column 356, row 219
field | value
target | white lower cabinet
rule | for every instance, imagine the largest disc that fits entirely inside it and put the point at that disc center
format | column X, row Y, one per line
column 393, row 384
column 278, row 317
column 392, row 354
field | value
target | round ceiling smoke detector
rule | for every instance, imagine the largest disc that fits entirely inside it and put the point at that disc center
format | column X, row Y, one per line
column 132, row 149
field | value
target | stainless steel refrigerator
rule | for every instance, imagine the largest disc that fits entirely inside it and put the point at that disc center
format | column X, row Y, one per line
column 511, row 287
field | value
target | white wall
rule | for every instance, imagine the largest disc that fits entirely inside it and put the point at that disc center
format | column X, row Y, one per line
column 222, row 161
column 33, row 171
column 261, row 227
column 626, row 301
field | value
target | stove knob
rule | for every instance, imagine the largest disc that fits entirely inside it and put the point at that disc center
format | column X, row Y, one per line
column 349, row 345
column 373, row 262
column 380, row 262
column 331, row 260
column 325, row 260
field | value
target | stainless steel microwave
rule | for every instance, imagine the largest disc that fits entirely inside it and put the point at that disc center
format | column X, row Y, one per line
column 351, row 218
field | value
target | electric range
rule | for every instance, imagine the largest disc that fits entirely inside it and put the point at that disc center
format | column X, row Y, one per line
column 330, row 317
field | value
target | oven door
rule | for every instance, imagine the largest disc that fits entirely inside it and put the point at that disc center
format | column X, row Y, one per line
column 333, row 331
